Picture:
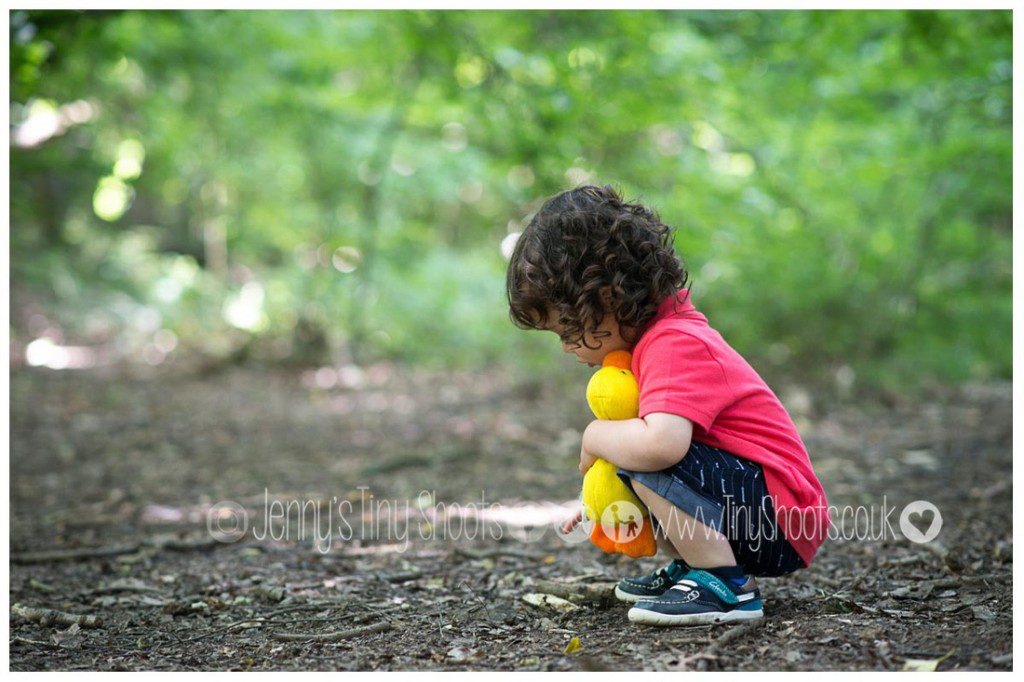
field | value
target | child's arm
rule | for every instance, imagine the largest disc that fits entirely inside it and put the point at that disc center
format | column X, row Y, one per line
column 655, row 442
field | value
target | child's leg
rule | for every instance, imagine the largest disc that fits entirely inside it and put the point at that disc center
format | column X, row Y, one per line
column 716, row 590
column 665, row 545
column 700, row 546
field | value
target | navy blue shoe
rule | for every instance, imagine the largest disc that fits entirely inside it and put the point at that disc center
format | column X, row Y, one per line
column 651, row 585
column 700, row 598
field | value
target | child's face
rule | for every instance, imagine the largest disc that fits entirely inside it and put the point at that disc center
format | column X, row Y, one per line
column 606, row 338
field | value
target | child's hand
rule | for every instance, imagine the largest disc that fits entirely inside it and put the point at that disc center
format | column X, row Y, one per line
column 586, row 460
column 572, row 522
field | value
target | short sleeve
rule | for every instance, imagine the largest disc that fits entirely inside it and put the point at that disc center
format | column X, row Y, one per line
column 678, row 374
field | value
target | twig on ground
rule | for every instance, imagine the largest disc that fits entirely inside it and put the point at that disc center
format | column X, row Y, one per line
column 579, row 593
column 582, row 578
column 493, row 553
column 270, row 618
column 960, row 581
column 306, row 606
column 41, row 586
column 50, row 617
column 175, row 544
column 122, row 586
column 72, row 554
column 255, row 621
column 727, row 637
column 157, row 543
column 260, row 621
column 331, row 636
column 33, row 642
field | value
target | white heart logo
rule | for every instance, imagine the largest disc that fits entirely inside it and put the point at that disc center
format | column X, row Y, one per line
column 920, row 508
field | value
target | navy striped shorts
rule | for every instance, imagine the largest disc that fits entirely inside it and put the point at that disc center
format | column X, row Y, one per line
column 727, row 493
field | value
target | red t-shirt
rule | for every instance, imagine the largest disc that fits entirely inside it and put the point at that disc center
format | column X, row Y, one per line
column 684, row 367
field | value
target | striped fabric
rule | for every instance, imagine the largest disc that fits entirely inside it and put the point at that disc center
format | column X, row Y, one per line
column 729, row 494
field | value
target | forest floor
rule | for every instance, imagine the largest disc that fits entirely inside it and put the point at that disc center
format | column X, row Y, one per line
column 115, row 477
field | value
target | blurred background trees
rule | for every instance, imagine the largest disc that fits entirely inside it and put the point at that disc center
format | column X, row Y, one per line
column 337, row 187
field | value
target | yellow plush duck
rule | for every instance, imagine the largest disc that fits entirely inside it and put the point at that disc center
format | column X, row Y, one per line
column 622, row 523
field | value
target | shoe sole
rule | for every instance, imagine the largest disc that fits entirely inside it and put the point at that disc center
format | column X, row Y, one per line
column 621, row 595
column 637, row 615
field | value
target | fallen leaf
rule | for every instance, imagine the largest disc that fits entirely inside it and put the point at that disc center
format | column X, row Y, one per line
column 925, row 665
column 573, row 646
column 461, row 654
column 270, row 593
column 982, row 613
column 921, row 665
column 67, row 638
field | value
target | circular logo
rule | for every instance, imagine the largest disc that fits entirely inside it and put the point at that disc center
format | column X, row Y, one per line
column 227, row 521
column 622, row 521
column 920, row 508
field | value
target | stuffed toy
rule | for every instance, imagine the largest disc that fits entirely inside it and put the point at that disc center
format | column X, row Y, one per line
column 622, row 523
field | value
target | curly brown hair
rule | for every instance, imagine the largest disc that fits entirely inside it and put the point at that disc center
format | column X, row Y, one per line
column 584, row 242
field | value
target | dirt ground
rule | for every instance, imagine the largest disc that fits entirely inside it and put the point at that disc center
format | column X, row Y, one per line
column 114, row 475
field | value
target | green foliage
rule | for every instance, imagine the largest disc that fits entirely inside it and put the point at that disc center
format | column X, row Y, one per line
column 336, row 184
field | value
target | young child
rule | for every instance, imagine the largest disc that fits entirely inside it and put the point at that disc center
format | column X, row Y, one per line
column 713, row 454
